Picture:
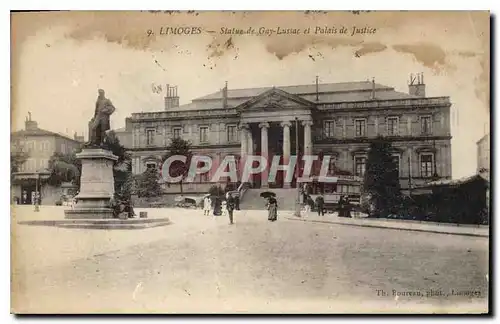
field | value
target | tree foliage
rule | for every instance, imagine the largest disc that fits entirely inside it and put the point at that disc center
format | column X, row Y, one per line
column 64, row 168
column 148, row 185
column 18, row 156
column 179, row 146
column 381, row 180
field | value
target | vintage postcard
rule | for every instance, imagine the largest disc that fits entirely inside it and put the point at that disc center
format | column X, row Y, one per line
column 250, row 162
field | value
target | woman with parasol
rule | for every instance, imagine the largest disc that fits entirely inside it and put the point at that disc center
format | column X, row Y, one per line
column 272, row 205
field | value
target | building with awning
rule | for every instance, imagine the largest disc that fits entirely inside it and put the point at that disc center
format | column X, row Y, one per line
column 31, row 177
column 464, row 200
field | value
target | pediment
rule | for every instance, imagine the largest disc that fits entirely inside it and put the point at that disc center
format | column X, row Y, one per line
column 275, row 99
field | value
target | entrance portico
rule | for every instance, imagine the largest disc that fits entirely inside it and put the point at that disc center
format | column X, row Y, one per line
column 269, row 126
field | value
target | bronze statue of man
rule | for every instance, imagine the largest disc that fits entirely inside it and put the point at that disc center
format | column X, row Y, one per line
column 99, row 124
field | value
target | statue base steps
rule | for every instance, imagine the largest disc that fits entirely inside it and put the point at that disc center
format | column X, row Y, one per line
column 108, row 224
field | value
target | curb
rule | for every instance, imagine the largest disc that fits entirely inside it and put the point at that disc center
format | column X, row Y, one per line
column 391, row 228
column 101, row 224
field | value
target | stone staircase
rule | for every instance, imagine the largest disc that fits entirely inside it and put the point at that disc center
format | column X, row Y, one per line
column 252, row 201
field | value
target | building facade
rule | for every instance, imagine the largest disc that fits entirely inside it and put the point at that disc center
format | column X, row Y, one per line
column 337, row 119
column 40, row 145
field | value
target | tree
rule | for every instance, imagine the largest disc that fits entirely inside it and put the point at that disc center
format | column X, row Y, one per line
column 122, row 170
column 112, row 143
column 18, row 156
column 64, row 168
column 178, row 146
column 381, row 180
column 148, row 185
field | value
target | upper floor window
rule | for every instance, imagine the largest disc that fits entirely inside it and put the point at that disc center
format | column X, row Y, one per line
column 360, row 125
column 426, row 124
column 332, row 164
column 426, row 165
column 150, row 136
column 29, row 146
column 392, row 126
column 150, row 165
column 328, row 128
column 203, row 134
column 177, row 131
column 359, row 165
column 232, row 133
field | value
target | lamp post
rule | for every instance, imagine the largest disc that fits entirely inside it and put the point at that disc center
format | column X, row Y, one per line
column 297, row 202
column 37, row 184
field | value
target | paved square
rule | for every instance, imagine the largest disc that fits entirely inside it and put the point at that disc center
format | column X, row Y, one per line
column 202, row 264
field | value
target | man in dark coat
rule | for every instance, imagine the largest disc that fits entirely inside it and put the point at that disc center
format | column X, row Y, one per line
column 320, row 204
column 230, row 207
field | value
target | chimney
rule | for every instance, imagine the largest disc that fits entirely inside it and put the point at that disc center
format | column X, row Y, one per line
column 416, row 85
column 78, row 138
column 171, row 99
column 224, row 96
column 317, row 88
column 373, row 89
column 30, row 124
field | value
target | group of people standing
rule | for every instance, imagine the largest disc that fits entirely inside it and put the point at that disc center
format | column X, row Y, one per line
column 344, row 205
column 227, row 206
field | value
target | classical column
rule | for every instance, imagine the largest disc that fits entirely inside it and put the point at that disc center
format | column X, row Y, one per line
column 264, row 152
column 250, row 149
column 286, row 147
column 244, row 147
column 307, row 137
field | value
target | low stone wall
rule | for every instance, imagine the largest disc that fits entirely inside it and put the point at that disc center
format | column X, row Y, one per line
column 187, row 188
column 152, row 202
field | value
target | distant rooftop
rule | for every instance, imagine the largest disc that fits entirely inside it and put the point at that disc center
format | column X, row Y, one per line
column 300, row 89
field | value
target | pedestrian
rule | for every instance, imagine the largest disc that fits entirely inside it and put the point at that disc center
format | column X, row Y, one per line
column 207, row 205
column 237, row 202
column 272, row 207
column 347, row 207
column 230, row 207
column 223, row 209
column 309, row 204
column 341, row 207
column 320, row 203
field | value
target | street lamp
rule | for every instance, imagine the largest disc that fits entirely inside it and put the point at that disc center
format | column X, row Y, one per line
column 297, row 201
column 37, row 198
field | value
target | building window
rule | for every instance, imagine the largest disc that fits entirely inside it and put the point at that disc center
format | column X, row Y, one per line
column 45, row 146
column 29, row 146
column 205, row 177
column 177, row 131
column 203, row 134
column 426, row 162
column 150, row 136
column 396, row 159
column 232, row 133
column 150, row 165
column 328, row 128
column 360, row 125
column 392, row 126
column 426, row 124
column 359, row 165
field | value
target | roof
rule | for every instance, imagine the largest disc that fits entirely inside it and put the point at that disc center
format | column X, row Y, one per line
column 298, row 89
column 453, row 182
column 40, row 132
column 328, row 92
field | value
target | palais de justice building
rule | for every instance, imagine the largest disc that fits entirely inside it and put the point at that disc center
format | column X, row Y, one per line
column 337, row 119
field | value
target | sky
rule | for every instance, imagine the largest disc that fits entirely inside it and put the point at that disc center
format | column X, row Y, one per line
column 59, row 60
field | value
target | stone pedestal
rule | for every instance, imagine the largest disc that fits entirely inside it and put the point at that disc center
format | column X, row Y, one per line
column 96, row 185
